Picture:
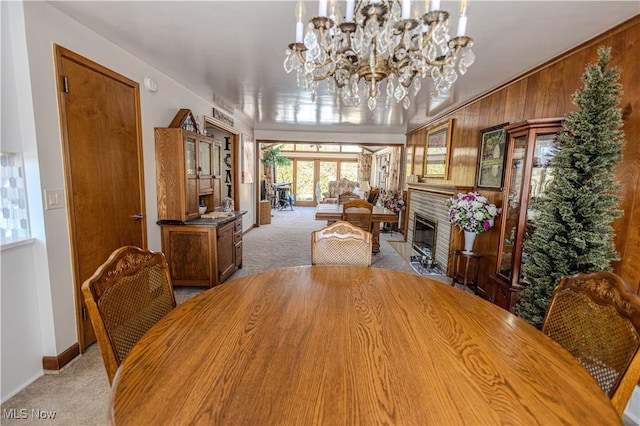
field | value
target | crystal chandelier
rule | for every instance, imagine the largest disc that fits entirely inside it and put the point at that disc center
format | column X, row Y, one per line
column 378, row 41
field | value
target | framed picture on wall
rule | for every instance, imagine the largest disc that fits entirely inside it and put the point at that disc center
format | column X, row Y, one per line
column 438, row 147
column 493, row 146
column 248, row 155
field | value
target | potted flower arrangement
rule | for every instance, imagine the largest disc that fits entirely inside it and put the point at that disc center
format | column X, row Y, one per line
column 472, row 213
column 393, row 200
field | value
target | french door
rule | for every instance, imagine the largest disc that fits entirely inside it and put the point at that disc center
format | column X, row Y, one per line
column 310, row 177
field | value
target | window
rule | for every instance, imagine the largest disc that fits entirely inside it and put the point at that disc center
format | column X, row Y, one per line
column 349, row 170
column 284, row 173
column 328, row 147
column 14, row 221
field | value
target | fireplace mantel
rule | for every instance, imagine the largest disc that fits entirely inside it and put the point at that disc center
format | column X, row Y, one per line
column 447, row 190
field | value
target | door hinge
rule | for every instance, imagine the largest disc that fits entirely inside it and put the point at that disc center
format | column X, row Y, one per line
column 65, row 82
column 84, row 313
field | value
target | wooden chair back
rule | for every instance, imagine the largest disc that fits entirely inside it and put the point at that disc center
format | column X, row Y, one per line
column 127, row 295
column 347, row 196
column 374, row 194
column 341, row 243
column 596, row 317
column 358, row 212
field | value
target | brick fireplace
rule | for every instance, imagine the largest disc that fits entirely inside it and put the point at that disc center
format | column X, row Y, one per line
column 428, row 202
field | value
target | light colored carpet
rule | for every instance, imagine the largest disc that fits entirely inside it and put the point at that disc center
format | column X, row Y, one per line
column 79, row 394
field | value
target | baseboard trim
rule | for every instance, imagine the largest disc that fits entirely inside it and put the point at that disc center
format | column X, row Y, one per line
column 54, row 363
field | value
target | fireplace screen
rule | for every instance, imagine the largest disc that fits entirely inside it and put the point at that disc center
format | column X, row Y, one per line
column 424, row 235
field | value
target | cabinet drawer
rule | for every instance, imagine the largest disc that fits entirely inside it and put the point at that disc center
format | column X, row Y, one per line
column 239, row 225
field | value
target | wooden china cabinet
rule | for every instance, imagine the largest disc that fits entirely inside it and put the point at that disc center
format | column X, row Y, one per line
column 530, row 148
column 187, row 169
column 200, row 251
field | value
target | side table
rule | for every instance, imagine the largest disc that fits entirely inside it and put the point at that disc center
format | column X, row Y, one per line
column 466, row 266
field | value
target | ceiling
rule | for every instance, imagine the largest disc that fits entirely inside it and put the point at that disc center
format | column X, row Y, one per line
column 232, row 53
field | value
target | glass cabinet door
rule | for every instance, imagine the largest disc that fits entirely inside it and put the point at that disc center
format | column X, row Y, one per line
column 205, row 158
column 216, row 160
column 511, row 209
column 541, row 177
column 190, row 153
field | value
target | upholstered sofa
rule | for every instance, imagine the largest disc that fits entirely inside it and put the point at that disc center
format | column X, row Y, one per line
column 337, row 187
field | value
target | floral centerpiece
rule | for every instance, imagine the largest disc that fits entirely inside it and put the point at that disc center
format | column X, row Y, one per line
column 472, row 212
column 393, row 200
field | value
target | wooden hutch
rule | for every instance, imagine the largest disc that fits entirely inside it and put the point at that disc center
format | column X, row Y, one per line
column 202, row 249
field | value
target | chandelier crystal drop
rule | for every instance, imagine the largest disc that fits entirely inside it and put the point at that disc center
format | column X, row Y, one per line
column 377, row 41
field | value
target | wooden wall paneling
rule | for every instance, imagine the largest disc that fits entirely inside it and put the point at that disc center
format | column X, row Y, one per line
column 555, row 97
column 533, row 88
column 628, row 226
column 418, row 152
column 547, row 92
column 465, row 160
column 520, row 102
column 496, row 109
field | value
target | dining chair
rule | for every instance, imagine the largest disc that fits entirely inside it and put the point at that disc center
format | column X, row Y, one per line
column 596, row 317
column 341, row 243
column 374, row 194
column 347, row 196
column 358, row 212
column 127, row 295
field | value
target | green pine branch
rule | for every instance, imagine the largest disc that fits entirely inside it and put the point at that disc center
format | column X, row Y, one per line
column 574, row 233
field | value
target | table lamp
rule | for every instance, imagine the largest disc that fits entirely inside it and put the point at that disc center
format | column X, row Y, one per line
column 364, row 187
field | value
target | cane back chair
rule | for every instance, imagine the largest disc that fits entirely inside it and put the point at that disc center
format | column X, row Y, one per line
column 596, row 317
column 358, row 212
column 127, row 295
column 341, row 243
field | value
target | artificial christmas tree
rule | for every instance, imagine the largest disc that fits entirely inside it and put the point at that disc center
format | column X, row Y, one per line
column 573, row 233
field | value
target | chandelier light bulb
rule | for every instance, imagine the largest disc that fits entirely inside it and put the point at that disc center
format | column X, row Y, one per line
column 462, row 21
column 299, row 21
column 300, row 11
column 350, row 9
column 322, row 8
column 379, row 44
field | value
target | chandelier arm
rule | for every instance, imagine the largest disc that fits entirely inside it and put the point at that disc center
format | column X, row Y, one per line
column 328, row 73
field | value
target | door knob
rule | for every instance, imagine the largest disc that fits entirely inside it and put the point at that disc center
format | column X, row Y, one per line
column 137, row 216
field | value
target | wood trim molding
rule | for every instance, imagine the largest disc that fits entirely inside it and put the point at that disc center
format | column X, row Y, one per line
column 221, row 125
column 55, row 363
column 435, row 189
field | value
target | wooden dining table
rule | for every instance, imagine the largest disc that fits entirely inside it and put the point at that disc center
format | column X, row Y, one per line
column 350, row 345
column 333, row 212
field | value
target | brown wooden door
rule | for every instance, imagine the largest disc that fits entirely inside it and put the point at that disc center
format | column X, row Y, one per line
column 100, row 121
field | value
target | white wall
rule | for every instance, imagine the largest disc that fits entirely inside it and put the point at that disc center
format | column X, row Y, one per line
column 41, row 275
column 25, row 306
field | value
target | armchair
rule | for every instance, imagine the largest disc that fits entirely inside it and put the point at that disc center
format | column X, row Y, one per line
column 336, row 188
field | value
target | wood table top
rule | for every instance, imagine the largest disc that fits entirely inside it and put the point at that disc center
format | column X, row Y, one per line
column 334, row 212
column 350, row 345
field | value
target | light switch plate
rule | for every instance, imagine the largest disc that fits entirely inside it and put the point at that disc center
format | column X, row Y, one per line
column 54, row 198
